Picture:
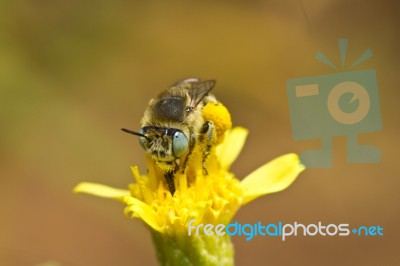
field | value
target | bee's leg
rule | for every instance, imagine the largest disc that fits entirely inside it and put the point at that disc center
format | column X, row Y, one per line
column 169, row 177
column 207, row 137
column 192, row 142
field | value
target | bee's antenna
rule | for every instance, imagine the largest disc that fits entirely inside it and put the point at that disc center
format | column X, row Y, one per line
column 134, row 133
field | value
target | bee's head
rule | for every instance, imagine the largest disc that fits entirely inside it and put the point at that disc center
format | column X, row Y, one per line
column 164, row 144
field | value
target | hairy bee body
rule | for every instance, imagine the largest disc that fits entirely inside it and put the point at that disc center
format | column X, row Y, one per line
column 172, row 125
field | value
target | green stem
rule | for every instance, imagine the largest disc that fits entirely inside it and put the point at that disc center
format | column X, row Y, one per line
column 193, row 250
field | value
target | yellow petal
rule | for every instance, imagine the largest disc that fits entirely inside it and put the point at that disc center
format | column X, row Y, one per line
column 271, row 177
column 101, row 191
column 143, row 211
column 229, row 149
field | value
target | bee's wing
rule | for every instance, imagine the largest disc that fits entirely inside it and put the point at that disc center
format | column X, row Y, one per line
column 186, row 81
column 199, row 90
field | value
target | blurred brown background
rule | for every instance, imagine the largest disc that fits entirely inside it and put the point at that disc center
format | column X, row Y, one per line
column 72, row 73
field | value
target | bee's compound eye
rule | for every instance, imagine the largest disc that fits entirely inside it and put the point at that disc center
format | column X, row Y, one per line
column 180, row 143
column 143, row 141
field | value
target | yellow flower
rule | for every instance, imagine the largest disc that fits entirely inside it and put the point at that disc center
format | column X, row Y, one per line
column 212, row 198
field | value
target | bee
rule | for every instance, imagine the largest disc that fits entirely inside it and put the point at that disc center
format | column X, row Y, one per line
column 173, row 124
